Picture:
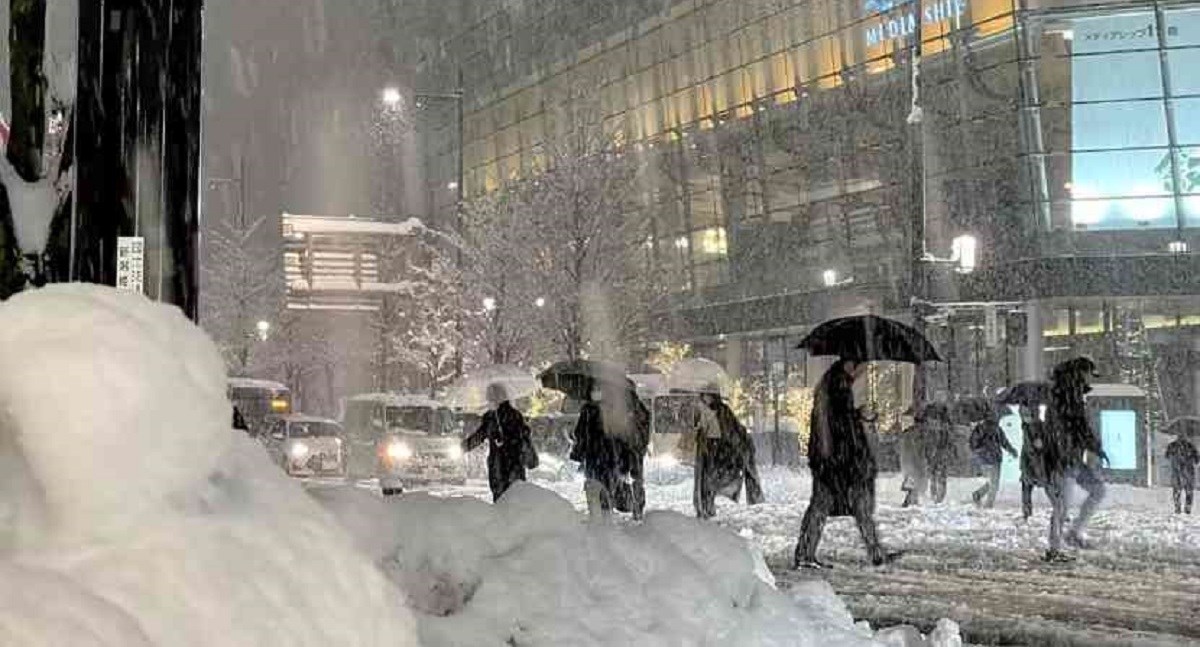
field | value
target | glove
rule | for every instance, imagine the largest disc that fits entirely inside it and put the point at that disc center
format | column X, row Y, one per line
column 1103, row 458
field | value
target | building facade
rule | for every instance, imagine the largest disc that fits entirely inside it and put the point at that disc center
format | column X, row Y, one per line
column 811, row 158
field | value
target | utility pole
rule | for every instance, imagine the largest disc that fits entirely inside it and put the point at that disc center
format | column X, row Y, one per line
column 916, row 186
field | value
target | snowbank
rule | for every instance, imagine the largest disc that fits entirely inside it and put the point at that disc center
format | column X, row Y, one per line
column 128, row 501
column 531, row 571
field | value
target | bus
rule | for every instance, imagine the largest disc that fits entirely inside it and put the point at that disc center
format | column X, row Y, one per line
column 256, row 400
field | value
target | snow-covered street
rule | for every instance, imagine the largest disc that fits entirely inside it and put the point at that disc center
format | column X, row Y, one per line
column 981, row 568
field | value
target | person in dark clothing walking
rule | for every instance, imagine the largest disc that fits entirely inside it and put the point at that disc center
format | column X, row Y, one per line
column 598, row 455
column 1071, row 436
column 724, row 460
column 631, row 438
column 843, row 467
column 987, row 444
column 510, row 443
column 1183, row 457
column 938, row 441
column 239, row 421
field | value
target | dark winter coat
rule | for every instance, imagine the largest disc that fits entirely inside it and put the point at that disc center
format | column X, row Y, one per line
column 1067, row 422
column 937, row 436
column 1182, row 456
column 1039, row 454
column 596, row 451
column 839, row 452
column 723, row 464
column 988, row 442
column 510, row 446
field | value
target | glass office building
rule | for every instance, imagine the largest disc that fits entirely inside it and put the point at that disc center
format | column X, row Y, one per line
column 801, row 156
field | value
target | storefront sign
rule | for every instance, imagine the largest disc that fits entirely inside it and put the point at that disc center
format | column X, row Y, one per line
column 905, row 23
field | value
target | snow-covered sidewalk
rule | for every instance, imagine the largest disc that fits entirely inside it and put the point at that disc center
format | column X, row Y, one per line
column 979, row 567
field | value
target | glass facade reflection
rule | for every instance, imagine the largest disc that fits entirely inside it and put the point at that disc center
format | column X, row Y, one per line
column 780, row 145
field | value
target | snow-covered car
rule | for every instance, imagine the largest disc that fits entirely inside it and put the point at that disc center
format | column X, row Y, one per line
column 305, row 445
column 403, row 440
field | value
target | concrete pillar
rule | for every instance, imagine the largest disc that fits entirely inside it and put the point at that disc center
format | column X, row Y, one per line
column 1033, row 354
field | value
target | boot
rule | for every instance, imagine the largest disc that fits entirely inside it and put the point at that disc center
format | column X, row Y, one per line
column 1075, row 539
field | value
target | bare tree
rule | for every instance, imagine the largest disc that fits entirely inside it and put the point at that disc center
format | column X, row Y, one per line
column 243, row 284
column 573, row 238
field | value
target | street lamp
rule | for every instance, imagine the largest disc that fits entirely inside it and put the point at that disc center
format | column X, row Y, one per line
column 264, row 329
column 540, row 302
column 489, row 304
column 392, row 97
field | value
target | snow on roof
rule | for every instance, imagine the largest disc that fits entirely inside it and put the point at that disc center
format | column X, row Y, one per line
column 1116, row 391
column 302, row 224
column 252, row 383
column 398, row 400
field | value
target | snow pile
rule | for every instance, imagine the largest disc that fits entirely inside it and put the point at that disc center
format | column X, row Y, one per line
column 128, row 501
column 531, row 571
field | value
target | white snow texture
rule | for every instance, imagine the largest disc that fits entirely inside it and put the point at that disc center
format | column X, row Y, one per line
column 130, row 513
column 531, row 571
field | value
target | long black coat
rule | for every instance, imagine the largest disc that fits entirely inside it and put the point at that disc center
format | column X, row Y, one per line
column 1182, row 455
column 839, row 452
column 508, row 439
column 1067, row 425
column 595, row 450
column 725, row 463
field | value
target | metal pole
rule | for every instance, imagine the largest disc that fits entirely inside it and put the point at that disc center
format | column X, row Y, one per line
column 917, row 198
column 242, row 191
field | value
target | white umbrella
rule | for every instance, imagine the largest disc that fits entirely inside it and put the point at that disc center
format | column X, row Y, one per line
column 470, row 392
column 698, row 375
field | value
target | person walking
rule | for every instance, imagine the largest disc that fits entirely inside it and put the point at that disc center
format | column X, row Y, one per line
column 724, row 457
column 598, row 457
column 1077, row 449
column 912, row 462
column 510, row 443
column 938, row 441
column 631, row 443
column 1183, row 457
column 988, row 443
column 843, row 467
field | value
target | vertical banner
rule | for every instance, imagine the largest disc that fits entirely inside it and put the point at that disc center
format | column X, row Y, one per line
column 131, row 263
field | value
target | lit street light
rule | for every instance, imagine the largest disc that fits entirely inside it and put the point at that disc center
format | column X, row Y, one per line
column 392, row 96
column 541, row 302
column 489, row 304
column 264, row 329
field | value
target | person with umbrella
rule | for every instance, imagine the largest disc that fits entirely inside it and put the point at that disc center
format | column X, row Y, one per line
column 1183, row 457
column 597, row 455
column 839, row 453
column 510, row 443
column 1072, row 436
column 987, row 444
column 724, row 456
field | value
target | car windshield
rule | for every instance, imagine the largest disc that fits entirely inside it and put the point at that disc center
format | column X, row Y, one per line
column 312, row 429
column 410, row 418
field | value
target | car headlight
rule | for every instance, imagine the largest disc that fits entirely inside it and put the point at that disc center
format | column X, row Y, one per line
column 455, row 452
column 398, row 451
column 299, row 450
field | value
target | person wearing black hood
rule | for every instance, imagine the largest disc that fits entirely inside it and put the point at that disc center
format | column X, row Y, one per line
column 1183, row 457
column 843, row 467
column 599, row 456
column 1072, row 433
column 510, row 443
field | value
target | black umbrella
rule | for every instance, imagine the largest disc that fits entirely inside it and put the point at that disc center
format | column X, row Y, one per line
column 1026, row 394
column 577, row 377
column 1187, row 426
column 866, row 337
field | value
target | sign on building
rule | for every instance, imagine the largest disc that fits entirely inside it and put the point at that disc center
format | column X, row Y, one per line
column 131, row 263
